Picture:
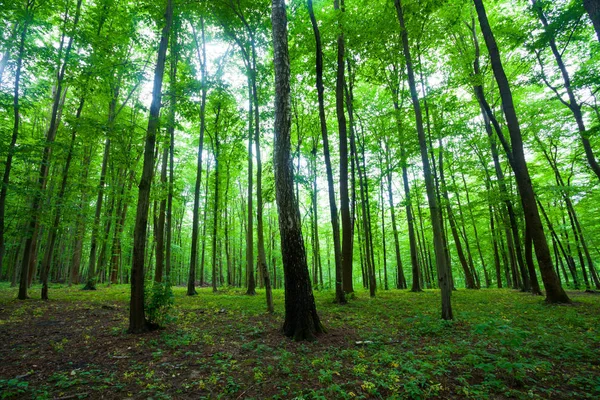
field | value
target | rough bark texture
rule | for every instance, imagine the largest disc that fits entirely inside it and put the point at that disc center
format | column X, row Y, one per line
column 301, row 318
column 137, row 318
column 554, row 291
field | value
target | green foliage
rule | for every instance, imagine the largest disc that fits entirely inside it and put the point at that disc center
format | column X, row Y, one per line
column 159, row 301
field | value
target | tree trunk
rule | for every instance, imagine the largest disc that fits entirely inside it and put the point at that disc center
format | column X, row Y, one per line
column 441, row 260
column 15, row 132
column 171, row 132
column 51, row 241
column 301, row 318
column 160, row 226
column 32, row 230
column 337, row 247
column 216, row 149
column 593, row 9
column 469, row 279
column 191, row 286
column 401, row 279
column 137, row 318
column 346, row 273
column 554, row 291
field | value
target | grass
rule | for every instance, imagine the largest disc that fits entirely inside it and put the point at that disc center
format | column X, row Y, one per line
column 502, row 344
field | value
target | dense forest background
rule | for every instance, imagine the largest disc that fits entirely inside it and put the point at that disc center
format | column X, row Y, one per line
column 409, row 170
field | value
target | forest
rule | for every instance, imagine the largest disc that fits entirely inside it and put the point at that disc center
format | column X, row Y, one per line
column 299, row 199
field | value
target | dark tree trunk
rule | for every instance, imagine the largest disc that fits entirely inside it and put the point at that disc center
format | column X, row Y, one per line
column 554, row 291
column 593, row 9
column 301, row 318
column 337, row 247
column 346, row 273
column 137, row 317
column 191, row 285
column 440, row 256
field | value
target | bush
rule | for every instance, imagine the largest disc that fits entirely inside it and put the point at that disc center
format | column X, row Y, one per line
column 159, row 301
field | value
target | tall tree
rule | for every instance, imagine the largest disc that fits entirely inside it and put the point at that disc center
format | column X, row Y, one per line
column 554, row 291
column 333, row 211
column 201, row 53
column 137, row 317
column 301, row 319
column 340, row 82
column 440, row 254
column 32, row 229
column 16, row 122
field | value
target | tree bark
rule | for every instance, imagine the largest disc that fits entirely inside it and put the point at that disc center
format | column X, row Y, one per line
column 346, row 272
column 554, row 291
column 301, row 319
column 137, row 317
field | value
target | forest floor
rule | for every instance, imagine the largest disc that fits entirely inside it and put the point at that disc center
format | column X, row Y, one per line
column 502, row 344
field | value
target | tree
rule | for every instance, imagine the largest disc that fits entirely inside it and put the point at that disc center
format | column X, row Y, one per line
column 137, row 318
column 301, row 319
column 554, row 291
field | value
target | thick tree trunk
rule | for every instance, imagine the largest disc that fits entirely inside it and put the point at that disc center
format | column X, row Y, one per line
column 137, row 317
column 593, row 9
column 301, row 318
column 441, row 259
column 337, row 247
column 554, row 291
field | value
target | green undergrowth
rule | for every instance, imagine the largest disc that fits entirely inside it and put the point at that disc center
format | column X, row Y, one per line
column 502, row 344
